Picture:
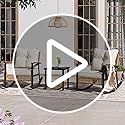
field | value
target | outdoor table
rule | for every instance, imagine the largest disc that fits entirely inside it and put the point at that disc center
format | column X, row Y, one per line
column 63, row 71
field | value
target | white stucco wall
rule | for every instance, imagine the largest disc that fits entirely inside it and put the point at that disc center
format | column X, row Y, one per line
column 47, row 7
column 44, row 8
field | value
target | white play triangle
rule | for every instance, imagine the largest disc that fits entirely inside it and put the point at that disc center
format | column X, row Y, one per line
column 83, row 64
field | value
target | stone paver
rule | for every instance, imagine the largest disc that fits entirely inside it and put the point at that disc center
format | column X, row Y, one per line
column 59, row 104
column 100, row 113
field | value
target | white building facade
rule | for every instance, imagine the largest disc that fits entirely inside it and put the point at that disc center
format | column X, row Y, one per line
column 107, row 15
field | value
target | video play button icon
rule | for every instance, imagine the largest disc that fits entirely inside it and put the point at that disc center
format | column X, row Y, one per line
column 59, row 46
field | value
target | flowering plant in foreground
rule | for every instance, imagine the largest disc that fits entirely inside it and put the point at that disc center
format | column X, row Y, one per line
column 6, row 118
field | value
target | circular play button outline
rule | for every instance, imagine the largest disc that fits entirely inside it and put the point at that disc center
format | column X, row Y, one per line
column 48, row 110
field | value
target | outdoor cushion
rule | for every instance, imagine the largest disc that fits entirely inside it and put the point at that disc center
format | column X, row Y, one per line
column 114, row 53
column 21, row 56
column 98, row 53
column 9, row 68
column 88, row 68
column 32, row 56
column 97, row 59
column 24, row 71
column 24, row 57
column 97, row 64
column 90, row 74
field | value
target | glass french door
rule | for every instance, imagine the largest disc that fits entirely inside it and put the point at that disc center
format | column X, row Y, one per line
column 115, row 24
column 8, row 33
column 85, row 36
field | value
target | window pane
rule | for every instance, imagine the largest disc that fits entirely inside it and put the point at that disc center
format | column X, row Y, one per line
column 92, row 30
column 86, row 55
column 80, row 53
column 7, row 41
column 13, row 41
column 13, row 27
column 86, row 42
column 13, row 14
column 3, row 27
column 2, row 14
column 12, row 3
column 80, row 11
column 80, row 27
column 80, row 42
column 91, row 56
column 86, row 12
column 123, row 11
column 86, row 28
column 92, row 42
column 2, row 54
column 7, row 14
column 2, row 41
column 8, row 53
column 8, row 3
column 3, row 4
column 80, row 2
column 93, row 22
column 8, row 27
column 92, row 2
column 86, row 2
column 12, row 53
column 92, row 12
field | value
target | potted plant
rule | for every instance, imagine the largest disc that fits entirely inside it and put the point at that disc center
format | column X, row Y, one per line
column 120, row 71
column 58, row 60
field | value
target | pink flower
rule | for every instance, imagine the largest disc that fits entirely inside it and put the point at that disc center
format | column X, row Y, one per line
column 2, row 115
column 18, row 120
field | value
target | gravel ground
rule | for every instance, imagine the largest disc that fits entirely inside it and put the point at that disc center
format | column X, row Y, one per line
column 118, row 95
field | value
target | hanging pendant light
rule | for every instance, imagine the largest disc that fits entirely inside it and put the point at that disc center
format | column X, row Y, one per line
column 58, row 21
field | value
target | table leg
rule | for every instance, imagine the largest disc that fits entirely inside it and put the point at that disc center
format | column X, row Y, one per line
column 67, row 79
column 5, row 75
column 45, row 80
column 63, row 81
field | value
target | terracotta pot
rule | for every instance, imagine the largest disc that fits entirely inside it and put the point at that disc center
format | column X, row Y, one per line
column 123, row 75
column 112, row 81
column 119, row 75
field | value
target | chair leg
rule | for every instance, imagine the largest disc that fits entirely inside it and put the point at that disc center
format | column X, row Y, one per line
column 32, row 76
column 39, row 72
column 102, row 80
column 5, row 73
column 40, row 78
column 77, row 80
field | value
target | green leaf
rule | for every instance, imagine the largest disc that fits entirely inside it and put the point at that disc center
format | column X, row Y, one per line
column 119, row 68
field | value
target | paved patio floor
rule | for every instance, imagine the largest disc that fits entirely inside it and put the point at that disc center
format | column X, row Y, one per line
column 100, row 113
column 60, row 104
